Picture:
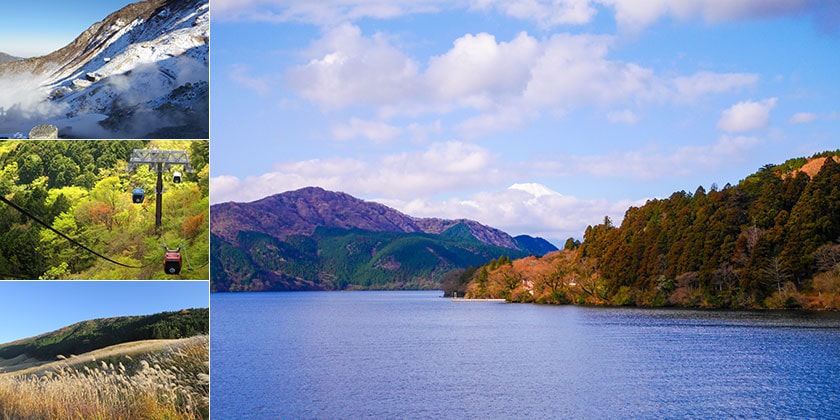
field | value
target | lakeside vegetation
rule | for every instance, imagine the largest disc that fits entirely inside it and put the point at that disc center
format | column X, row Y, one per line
column 342, row 259
column 82, row 188
column 772, row 241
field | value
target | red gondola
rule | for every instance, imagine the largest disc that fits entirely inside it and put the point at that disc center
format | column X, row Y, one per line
column 172, row 261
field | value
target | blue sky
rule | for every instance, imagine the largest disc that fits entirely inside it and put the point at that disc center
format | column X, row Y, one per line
column 39, row 27
column 30, row 308
column 536, row 117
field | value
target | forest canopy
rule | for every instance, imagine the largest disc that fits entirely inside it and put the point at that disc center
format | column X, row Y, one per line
column 82, row 188
column 772, row 241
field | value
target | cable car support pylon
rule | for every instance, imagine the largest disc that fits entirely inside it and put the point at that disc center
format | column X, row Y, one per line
column 159, row 161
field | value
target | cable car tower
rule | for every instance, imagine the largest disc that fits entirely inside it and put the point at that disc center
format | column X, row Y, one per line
column 159, row 161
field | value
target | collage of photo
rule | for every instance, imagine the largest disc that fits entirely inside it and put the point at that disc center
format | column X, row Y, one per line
column 422, row 209
column 105, row 186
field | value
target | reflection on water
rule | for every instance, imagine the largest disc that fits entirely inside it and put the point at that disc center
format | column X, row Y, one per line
column 414, row 354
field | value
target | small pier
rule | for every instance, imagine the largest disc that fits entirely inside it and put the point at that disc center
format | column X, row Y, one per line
column 460, row 299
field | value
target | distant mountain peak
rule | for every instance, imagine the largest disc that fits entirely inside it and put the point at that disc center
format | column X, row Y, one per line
column 301, row 211
column 535, row 189
column 140, row 69
column 6, row 58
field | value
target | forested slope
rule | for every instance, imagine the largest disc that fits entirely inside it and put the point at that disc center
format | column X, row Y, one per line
column 773, row 240
column 338, row 259
column 83, row 189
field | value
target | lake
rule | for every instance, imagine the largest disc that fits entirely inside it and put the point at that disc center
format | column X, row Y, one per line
column 414, row 354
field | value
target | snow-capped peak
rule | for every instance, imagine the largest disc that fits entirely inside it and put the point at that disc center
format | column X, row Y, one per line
column 535, row 189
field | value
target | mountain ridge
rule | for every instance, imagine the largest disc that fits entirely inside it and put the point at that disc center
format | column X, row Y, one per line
column 84, row 336
column 300, row 211
column 314, row 239
column 125, row 68
column 7, row 58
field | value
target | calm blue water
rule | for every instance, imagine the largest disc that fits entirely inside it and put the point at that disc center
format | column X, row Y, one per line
column 417, row 355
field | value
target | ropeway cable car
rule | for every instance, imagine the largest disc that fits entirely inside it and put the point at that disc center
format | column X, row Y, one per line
column 172, row 261
column 137, row 195
column 176, row 177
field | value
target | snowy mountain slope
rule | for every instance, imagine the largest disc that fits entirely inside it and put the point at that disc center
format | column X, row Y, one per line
column 141, row 70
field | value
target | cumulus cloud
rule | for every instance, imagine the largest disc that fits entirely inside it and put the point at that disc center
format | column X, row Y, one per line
column 630, row 15
column 633, row 16
column 573, row 69
column 376, row 131
column 546, row 14
column 687, row 89
column 348, row 68
column 447, row 166
column 502, row 83
column 802, row 118
column 526, row 208
column 747, row 116
column 478, row 69
column 653, row 163
column 501, row 119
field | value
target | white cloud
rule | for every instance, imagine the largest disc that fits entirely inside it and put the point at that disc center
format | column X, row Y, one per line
column 347, row 68
column 478, row 70
column 449, row 166
column 689, row 88
column 526, row 208
column 747, row 116
column 633, row 15
column 498, row 120
column 376, row 131
column 322, row 12
column 654, row 163
column 546, row 14
column 802, row 118
column 573, row 70
column 239, row 74
column 502, row 83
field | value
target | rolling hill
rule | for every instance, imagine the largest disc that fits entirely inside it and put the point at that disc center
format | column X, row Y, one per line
column 86, row 336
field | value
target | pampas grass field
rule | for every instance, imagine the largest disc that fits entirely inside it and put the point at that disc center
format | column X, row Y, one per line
column 168, row 383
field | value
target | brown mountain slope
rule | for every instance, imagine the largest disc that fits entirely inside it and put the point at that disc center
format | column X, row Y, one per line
column 300, row 212
column 88, row 43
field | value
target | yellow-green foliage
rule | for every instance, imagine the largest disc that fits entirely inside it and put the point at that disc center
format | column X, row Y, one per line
column 173, row 384
column 87, row 196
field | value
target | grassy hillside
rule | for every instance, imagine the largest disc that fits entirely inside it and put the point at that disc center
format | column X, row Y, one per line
column 162, row 379
column 95, row 334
